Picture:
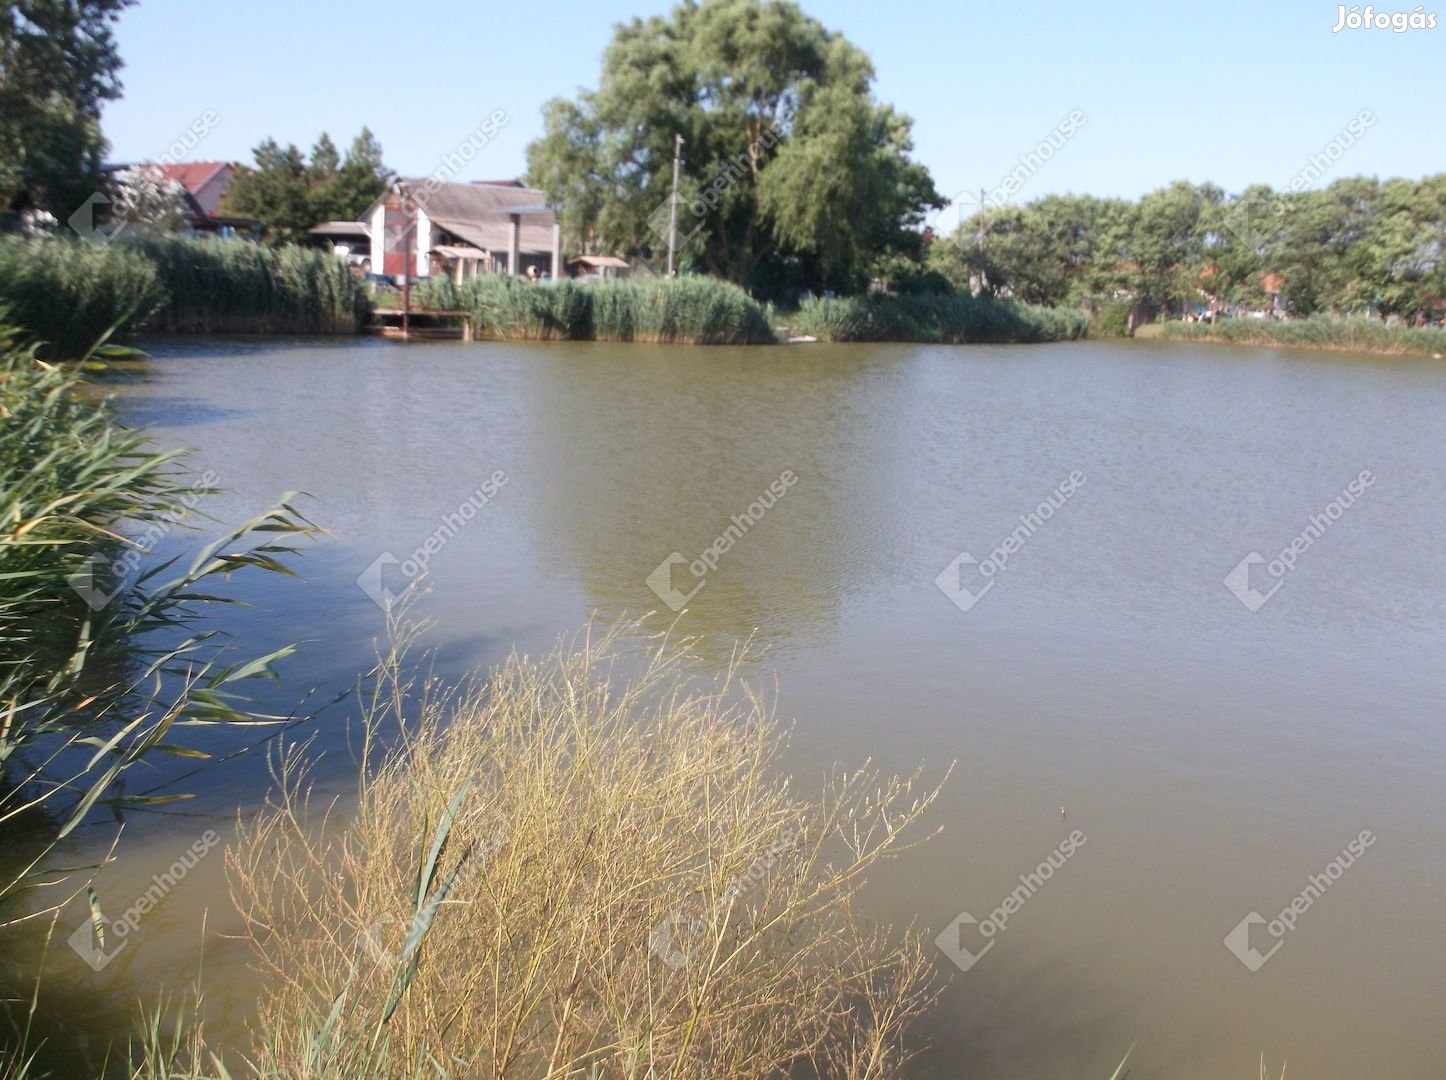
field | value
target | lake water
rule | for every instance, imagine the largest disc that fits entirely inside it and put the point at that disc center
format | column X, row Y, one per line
column 1106, row 679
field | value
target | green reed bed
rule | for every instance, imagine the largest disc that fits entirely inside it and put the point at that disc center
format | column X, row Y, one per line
column 1328, row 332
column 942, row 319
column 236, row 287
column 688, row 311
column 69, row 293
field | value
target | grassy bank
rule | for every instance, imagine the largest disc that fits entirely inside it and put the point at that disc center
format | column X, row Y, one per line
column 68, row 293
column 1317, row 332
column 953, row 319
column 686, row 311
column 565, row 875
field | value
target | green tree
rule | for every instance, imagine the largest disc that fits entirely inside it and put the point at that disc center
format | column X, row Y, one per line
column 274, row 191
column 1040, row 252
column 1314, row 250
column 791, row 165
column 1398, row 259
column 362, row 178
column 58, row 66
column 323, row 183
column 289, row 195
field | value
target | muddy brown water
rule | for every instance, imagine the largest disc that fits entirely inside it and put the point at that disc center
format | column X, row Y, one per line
column 1091, row 670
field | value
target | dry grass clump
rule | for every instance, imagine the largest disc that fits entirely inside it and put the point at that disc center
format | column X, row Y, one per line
column 568, row 874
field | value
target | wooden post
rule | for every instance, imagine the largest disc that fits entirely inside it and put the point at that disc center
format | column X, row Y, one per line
column 673, row 203
column 406, row 266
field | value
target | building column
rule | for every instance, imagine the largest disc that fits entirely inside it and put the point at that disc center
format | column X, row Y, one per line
column 512, row 239
column 556, row 250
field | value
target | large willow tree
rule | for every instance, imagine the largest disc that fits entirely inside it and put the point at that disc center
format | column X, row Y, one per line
column 791, row 169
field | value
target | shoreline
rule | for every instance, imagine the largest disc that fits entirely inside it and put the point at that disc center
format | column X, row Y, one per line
column 1370, row 338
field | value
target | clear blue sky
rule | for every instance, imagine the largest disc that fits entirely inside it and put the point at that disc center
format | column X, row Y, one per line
column 1232, row 92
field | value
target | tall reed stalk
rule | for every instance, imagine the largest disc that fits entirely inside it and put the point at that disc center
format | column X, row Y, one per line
column 101, row 670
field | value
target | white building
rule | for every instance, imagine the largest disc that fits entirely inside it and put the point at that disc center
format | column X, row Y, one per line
column 422, row 227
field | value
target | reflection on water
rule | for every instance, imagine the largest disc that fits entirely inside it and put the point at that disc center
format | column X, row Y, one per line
column 1212, row 756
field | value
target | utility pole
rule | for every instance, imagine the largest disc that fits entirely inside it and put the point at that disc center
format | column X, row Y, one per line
column 406, row 242
column 981, row 219
column 673, row 208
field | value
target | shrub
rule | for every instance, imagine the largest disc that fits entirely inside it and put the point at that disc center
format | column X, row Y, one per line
column 1112, row 318
column 566, row 875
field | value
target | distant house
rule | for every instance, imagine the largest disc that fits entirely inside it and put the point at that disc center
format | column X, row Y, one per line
column 205, row 182
column 423, row 227
column 602, row 266
column 1273, row 285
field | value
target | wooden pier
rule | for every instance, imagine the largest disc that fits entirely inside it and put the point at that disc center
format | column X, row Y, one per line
column 422, row 323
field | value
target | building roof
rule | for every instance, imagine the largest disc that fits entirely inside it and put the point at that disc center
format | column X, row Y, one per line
column 600, row 260
column 454, row 252
column 495, row 234
column 473, row 202
column 341, row 228
column 193, row 175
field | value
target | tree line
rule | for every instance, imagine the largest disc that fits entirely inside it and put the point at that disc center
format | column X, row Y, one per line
column 1356, row 245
